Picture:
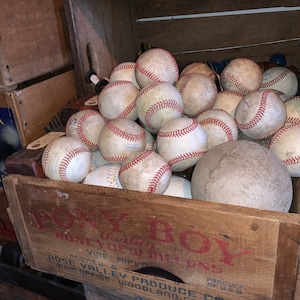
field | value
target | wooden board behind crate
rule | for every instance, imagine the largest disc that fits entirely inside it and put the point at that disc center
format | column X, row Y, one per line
column 115, row 30
column 36, row 108
column 102, row 236
column 33, row 40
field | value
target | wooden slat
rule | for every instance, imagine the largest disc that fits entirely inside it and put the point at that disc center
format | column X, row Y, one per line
column 66, row 229
column 144, row 8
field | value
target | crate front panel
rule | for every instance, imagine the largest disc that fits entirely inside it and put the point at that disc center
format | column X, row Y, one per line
column 88, row 233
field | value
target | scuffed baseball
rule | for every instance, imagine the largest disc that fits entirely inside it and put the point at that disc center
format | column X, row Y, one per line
column 227, row 100
column 117, row 100
column 179, row 187
column 260, row 114
column 86, row 126
column 181, row 142
column 119, row 138
column 124, row 71
column 198, row 92
column 105, row 175
column 158, row 103
column 241, row 75
column 156, row 65
column 219, row 125
column 285, row 144
column 281, row 79
column 66, row 159
column 243, row 173
column 97, row 159
column 292, row 107
column 200, row 68
column 145, row 171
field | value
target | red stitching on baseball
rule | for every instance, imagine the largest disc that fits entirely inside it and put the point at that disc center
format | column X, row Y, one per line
column 157, row 177
column 275, row 80
column 46, row 155
column 62, row 170
column 236, row 82
column 231, row 93
column 186, row 156
column 146, row 89
column 259, row 115
column 292, row 120
column 82, row 135
column 127, row 110
column 292, row 99
column 280, row 132
column 122, row 67
column 115, row 158
column 147, row 73
column 291, row 160
column 135, row 161
column 125, row 135
column 156, row 107
column 114, row 84
column 179, row 132
column 214, row 121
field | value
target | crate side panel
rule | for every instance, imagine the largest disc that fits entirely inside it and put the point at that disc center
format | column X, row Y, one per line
column 37, row 108
column 205, row 247
column 107, row 27
column 33, row 40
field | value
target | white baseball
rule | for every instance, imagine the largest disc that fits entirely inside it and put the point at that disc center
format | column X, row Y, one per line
column 292, row 107
column 120, row 138
column 124, row 71
column 198, row 67
column 181, row 142
column 260, row 114
column 117, row 100
column 241, row 75
column 66, row 159
column 219, row 125
column 227, row 100
column 198, row 92
column 158, row 103
column 86, row 126
column 97, row 159
column 281, row 79
column 285, row 144
column 156, row 65
column 179, row 187
column 145, row 171
column 105, row 175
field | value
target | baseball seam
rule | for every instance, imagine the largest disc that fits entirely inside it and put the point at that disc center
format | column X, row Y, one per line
column 275, row 80
column 125, row 135
column 291, row 160
column 292, row 120
column 124, row 67
column 279, row 133
column 114, row 84
column 259, row 114
column 219, row 123
column 186, row 156
column 115, row 159
column 135, row 161
column 63, row 166
column 179, row 132
column 147, row 73
column 157, row 177
column 127, row 110
column 80, row 129
column 163, row 104
column 236, row 82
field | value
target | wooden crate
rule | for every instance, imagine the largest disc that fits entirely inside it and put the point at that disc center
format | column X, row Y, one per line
column 7, row 233
column 33, row 40
column 190, row 30
column 102, row 236
column 36, row 108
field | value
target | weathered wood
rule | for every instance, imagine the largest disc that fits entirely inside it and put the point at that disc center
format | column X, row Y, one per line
column 99, row 235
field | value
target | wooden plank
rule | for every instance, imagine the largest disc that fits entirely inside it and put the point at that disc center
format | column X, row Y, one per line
column 33, row 40
column 255, row 36
column 36, row 108
column 107, row 27
column 96, row 235
column 144, row 8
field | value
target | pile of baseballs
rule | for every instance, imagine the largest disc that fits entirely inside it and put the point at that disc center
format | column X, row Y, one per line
column 154, row 123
